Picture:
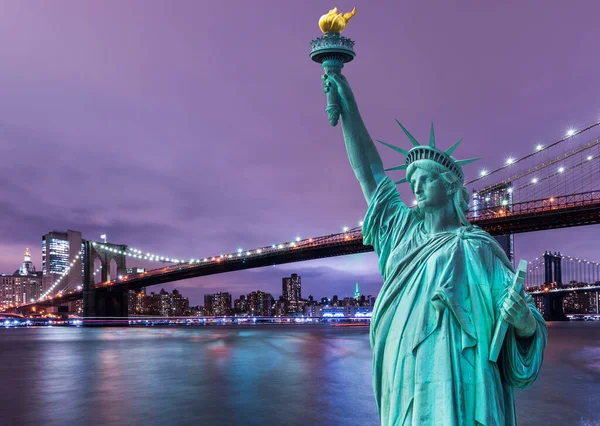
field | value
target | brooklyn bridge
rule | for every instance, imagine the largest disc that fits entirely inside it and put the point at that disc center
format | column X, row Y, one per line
column 552, row 186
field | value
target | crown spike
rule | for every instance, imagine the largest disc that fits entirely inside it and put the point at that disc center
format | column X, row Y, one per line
column 432, row 137
column 395, row 148
column 408, row 135
column 402, row 181
column 450, row 150
column 464, row 162
column 402, row 167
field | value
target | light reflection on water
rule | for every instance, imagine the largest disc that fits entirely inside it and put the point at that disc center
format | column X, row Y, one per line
column 250, row 375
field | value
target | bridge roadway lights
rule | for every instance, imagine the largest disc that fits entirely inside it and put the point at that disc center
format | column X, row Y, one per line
column 564, row 217
column 276, row 258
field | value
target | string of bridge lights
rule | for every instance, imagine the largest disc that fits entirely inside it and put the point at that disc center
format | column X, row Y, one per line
column 136, row 253
column 62, row 276
column 546, row 165
column 140, row 254
column 536, row 180
column 538, row 149
column 560, row 170
column 589, row 262
column 578, row 260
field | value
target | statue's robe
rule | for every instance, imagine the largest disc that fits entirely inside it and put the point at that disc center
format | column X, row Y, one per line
column 434, row 320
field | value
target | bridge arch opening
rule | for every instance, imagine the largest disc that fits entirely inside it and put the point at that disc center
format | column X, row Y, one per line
column 112, row 269
column 97, row 273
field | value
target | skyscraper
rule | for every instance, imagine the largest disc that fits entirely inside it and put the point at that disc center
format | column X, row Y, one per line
column 135, row 304
column 22, row 286
column 496, row 200
column 260, row 303
column 179, row 305
column 240, row 306
column 208, row 304
column 58, row 252
column 218, row 304
column 27, row 267
column 291, row 289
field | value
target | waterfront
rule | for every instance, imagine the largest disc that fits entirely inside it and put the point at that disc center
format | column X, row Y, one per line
column 251, row 375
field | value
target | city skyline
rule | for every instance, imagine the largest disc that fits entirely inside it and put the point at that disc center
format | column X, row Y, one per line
column 173, row 285
column 190, row 144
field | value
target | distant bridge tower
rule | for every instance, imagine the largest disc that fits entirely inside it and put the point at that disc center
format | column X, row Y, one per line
column 552, row 268
column 105, row 302
column 553, row 302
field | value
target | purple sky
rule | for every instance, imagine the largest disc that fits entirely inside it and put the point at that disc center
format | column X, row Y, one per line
column 193, row 128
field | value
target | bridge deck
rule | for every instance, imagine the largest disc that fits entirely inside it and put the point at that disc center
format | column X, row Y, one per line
column 566, row 211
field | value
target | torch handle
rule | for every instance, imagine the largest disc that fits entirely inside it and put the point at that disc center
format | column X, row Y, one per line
column 333, row 98
column 333, row 107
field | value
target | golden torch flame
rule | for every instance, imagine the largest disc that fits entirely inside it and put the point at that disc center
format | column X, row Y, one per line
column 334, row 22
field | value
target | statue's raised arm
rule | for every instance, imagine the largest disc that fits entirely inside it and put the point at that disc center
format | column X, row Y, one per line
column 363, row 155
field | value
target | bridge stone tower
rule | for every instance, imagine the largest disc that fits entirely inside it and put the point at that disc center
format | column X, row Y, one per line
column 104, row 302
column 553, row 302
column 552, row 268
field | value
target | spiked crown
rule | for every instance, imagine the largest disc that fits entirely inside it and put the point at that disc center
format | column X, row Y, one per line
column 429, row 152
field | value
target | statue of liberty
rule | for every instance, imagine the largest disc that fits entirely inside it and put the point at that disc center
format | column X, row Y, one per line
column 446, row 285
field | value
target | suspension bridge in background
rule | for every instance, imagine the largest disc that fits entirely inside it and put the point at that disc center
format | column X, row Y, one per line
column 554, row 186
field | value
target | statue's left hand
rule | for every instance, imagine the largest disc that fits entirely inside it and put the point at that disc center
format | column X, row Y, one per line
column 516, row 312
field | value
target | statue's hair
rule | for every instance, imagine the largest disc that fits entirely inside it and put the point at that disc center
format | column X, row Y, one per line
column 453, row 184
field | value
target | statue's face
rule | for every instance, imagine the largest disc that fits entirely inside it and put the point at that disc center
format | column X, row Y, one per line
column 429, row 189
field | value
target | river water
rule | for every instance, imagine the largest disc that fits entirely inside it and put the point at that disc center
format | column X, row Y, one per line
column 245, row 375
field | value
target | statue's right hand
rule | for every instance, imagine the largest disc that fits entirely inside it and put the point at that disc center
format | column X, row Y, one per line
column 334, row 81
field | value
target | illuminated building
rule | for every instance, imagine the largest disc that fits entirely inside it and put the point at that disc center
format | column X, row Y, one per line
column 23, row 286
column 58, row 251
column 27, row 267
column 356, row 292
column 208, row 304
column 313, row 310
column 585, row 302
column 8, row 293
column 260, row 303
column 364, row 312
column 218, row 304
column 164, row 304
column 291, row 289
column 492, row 201
column 333, row 311
column 240, row 306
column 279, row 307
column 136, row 298
column 179, row 305
column 136, row 301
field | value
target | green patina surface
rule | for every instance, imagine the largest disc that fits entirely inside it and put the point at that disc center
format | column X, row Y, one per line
column 446, row 285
